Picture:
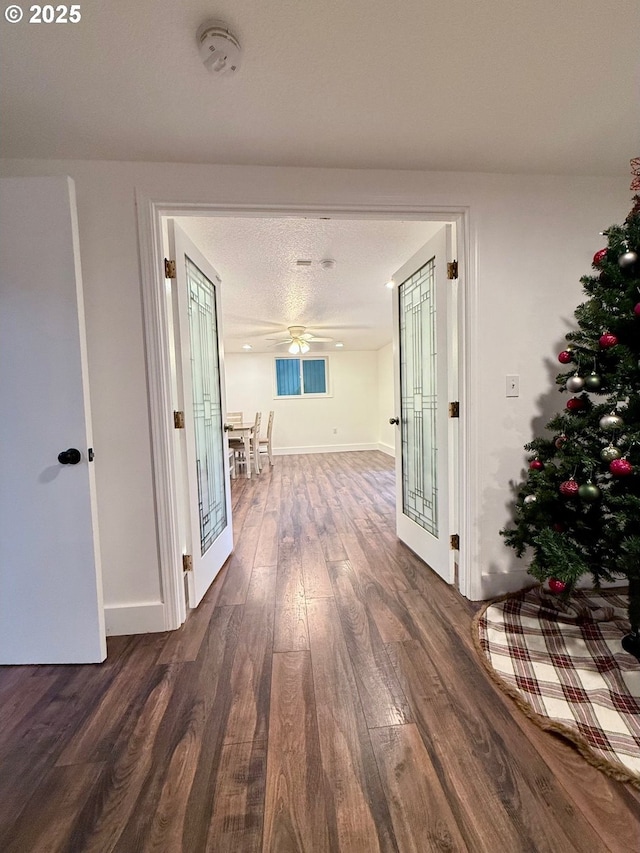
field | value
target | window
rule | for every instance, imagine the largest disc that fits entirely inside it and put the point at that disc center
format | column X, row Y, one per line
column 297, row 377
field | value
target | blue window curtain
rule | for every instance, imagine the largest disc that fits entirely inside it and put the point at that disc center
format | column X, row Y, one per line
column 288, row 377
column 314, row 380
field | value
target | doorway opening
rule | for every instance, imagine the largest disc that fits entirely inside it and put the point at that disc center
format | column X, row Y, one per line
column 218, row 221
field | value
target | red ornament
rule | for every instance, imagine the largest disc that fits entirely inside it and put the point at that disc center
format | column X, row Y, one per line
column 608, row 340
column 556, row 585
column 559, row 528
column 565, row 356
column 536, row 465
column 575, row 404
column 636, row 310
column 621, row 468
column 569, row 488
column 599, row 257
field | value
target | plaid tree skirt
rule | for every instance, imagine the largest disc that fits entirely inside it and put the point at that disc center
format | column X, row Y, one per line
column 563, row 664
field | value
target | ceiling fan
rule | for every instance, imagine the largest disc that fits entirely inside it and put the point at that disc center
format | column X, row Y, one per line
column 298, row 340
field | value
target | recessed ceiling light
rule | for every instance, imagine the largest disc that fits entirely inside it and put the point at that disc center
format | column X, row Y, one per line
column 339, row 344
column 390, row 284
column 247, row 346
column 328, row 264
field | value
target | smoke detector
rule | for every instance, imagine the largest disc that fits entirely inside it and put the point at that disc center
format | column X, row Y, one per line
column 219, row 48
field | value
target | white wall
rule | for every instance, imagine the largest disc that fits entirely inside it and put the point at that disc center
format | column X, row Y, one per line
column 386, row 401
column 531, row 238
column 307, row 425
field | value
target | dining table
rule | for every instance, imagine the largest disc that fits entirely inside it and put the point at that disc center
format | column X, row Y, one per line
column 244, row 432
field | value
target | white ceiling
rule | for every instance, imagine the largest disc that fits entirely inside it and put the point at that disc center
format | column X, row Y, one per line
column 525, row 86
column 264, row 291
column 535, row 86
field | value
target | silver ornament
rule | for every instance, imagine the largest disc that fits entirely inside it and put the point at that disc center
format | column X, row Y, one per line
column 530, row 499
column 628, row 259
column 610, row 453
column 575, row 384
column 609, row 422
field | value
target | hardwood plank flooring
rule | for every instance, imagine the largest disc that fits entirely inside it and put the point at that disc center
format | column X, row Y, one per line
column 325, row 698
column 422, row 817
column 295, row 815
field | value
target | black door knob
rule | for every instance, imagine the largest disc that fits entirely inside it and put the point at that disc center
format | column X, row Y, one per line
column 394, row 421
column 69, row 457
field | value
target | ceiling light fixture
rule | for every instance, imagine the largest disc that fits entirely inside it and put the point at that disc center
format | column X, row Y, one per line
column 390, row 284
column 247, row 346
column 298, row 346
column 339, row 344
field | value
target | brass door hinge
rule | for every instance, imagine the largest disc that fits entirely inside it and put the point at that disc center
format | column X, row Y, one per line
column 187, row 563
column 452, row 270
column 169, row 268
column 454, row 409
column 178, row 420
column 454, row 541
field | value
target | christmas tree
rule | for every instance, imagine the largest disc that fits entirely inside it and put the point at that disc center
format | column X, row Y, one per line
column 578, row 510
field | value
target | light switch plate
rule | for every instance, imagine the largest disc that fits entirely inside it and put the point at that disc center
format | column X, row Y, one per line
column 513, row 385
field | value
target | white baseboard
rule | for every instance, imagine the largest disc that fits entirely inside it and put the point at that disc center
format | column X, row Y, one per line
column 386, row 448
column 134, row 619
column 496, row 584
column 500, row 583
column 323, row 448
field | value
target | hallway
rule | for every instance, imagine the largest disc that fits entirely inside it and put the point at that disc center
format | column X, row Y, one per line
column 325, row 697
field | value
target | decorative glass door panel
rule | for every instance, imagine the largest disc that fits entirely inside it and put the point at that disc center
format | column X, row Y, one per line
column 421, row 372
column 207, row 411
column 201, row 454
column 419, row 400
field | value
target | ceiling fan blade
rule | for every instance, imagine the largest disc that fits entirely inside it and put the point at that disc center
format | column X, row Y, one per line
column 317, row 340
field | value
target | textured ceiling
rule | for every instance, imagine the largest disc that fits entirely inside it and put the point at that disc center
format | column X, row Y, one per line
column 264, row 291
column 501, row 85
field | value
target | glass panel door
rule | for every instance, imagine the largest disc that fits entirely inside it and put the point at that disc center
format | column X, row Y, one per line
column 423, row 465
column 418, row 397
column 207, row 411
column 206, row 500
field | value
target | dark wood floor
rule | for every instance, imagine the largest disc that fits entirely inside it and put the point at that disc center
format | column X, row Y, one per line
column 324, row 697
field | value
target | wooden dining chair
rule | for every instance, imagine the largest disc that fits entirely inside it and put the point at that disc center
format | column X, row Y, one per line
column 246, row 452
column 232, row 464
column 254, row 443
column 264, row 444
column 236, row 445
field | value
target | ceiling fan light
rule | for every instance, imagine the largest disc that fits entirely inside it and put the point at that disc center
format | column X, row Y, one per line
column 294, row 349
column 304, row 347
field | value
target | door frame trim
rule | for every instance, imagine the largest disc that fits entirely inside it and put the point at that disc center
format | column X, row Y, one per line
column 150, row 212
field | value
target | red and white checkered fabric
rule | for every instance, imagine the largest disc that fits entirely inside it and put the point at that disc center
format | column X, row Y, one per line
column 565, row 661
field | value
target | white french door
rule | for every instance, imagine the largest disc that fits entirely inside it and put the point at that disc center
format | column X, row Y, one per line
column 203, row 447
column 51, row 608
column 425, row 374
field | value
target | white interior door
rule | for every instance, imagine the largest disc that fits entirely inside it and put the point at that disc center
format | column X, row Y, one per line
column 207, row 527
column 51, row 607
column 424, row 355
